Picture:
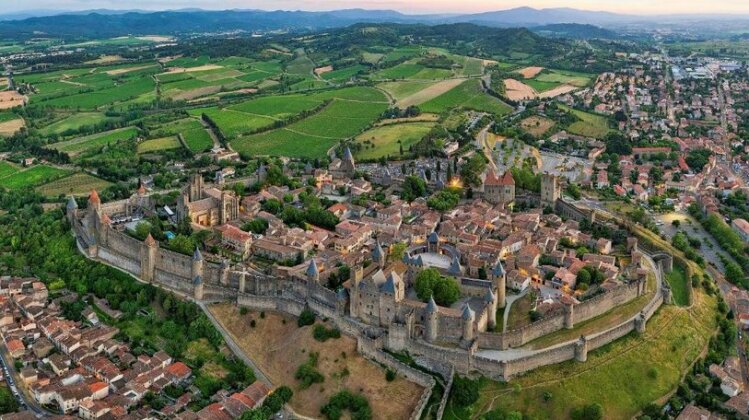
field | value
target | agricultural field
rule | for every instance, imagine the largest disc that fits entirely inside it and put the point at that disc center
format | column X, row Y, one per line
column 387, row 140
column 7, row 168
column 81, row 144
column 564, row 77
column 590, row 125
column 78, row 184
column 234, row 123
column 466, row 95
column 344, row 74
column 10, row 123
column 30, row 177
column 623, row 376
column 159, row 144
column 197, row 140
column 536, row 126
column 301, row 65
column 73, row 123
column 193, row 133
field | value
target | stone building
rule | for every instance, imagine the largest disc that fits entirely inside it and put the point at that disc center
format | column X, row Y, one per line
column 499, row 189
column 206, row 206
column 551, row 190
column 344, row 167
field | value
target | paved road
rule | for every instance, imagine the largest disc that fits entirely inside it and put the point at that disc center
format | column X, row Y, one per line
column 25, row 401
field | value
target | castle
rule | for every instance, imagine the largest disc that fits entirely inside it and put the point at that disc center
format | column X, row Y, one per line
column 206, row 206
column 375, row 304
column 499, row 189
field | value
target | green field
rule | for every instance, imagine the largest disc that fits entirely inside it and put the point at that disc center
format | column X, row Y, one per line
column 79, row 184
column 155, row 145
column 197, row 140
column 301, row 65
column 404, row 89
column 540, row 86
column 81, row 144
column 73, row 123
column 559, row 77
column 344, row 74
column 234, row 123
column 7, row 168
column 401, row 71
column 92, row 100
column 33, row 176
column 277, row 106
column 351, row 111
column 679, row 283
column 590, row 125
column 623, row 376
column 467, row 95
column 383, row 141
column 7, row 116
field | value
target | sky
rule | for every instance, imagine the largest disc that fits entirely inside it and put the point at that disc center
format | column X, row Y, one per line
column 406, row 6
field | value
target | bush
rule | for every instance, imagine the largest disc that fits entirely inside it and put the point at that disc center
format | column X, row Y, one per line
column 243, row 311
column 588, row 412
column 357, row 405
column 390, row 375
column 307, row 372
column 321, row 333
column 307, row 317
column 465, row 391
column 253, row 324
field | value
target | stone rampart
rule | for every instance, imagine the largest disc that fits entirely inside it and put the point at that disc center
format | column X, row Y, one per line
column 118, row 260
column 601, row 339
column 123, row 243
column 604, row 302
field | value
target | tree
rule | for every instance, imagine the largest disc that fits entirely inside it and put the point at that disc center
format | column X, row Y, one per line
column 413, row 188
column 443, row 200
column 465, row 391
column 617, row 143
column 471, row 171
column 430, row 283
column 588, row 412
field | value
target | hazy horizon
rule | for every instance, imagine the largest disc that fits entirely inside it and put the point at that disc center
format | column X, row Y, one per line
column 635, row 7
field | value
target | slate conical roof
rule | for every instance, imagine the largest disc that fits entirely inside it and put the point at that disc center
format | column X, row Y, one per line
column 432, row 306
column 391, row 284
column 489, row 298
column 72, row 204
column 377, row 253
column 347, row 154
column 197, row 280
column 312, row 270
column 433, row 238
column 499, row 269
column 197, row 256
column 468, row 312
column 455, row 268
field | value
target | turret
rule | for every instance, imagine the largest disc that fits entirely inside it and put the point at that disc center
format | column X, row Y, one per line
column 71, row 209
column 148, row 252
column 491, row 303
column 378, row 255
column 197, row 263
column 432, row 320
column 197, row 284
column 224, row 280
column 393, row 286
column 455, row 268
column 313, row 274
column 469, row 316
column 433, row 243
column 499, row 278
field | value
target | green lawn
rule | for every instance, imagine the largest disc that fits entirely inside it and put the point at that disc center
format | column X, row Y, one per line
column 623, row 376
column 384, row 141
column 679, row 283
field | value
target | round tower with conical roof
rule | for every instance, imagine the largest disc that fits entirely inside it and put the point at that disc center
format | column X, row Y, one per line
column 491, row 303
column 469, row 317
column 197, row 263
column 432, row 321
column 499, row 278
column 378, row 255
column 148, row 252
column 197, row 284
column 313, row 273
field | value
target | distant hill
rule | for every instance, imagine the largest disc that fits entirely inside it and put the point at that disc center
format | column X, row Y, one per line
column 574, row 31
column 102, row 23
column 528, row 16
